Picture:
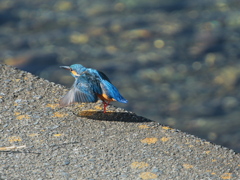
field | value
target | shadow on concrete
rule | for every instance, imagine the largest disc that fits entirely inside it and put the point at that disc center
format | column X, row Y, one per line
column 112, row 116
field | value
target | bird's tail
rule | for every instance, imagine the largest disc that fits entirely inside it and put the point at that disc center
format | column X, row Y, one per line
column 113, row 92
column 121, row 99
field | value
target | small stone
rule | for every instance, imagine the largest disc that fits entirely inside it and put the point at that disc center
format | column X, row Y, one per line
column 155, row 170
column 66, row 162
column 37, row 97
column 18, row 100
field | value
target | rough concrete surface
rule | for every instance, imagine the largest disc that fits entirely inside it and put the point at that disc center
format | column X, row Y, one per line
column 40, row 140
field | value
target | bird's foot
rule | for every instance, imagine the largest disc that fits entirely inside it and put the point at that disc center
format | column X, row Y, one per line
column 105, row 104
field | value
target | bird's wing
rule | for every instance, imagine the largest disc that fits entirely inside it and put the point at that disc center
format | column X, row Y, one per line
column 103, row 76
column 109, row 89
column 85, row 89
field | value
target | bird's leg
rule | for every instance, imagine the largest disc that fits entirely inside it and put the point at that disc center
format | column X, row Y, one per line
column 105, row 104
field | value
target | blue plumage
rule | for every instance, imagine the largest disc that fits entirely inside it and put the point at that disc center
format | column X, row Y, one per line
column 90, row 85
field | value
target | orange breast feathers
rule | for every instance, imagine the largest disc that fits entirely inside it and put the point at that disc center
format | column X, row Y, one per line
column 104, row 97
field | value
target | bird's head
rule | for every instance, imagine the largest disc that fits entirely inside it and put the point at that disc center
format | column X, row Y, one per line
column 75, row 69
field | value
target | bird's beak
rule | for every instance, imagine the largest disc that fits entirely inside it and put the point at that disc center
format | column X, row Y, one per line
column 65, row 67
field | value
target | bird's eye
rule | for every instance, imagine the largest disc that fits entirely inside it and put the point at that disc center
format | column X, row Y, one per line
column 71, row 69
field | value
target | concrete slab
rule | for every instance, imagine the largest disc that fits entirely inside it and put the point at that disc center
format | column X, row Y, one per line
column 40, row 140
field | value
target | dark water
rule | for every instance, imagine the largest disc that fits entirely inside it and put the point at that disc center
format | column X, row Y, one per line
column 177, row 62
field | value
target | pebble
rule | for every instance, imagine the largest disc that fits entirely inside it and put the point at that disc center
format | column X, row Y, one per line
column 66, row 162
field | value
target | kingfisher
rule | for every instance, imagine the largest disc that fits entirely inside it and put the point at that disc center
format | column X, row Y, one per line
column 89, row 86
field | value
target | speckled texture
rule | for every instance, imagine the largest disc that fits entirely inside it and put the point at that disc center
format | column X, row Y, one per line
column 80, row 142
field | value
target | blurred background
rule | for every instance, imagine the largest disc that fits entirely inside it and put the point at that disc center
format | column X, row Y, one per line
column 176, row 61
